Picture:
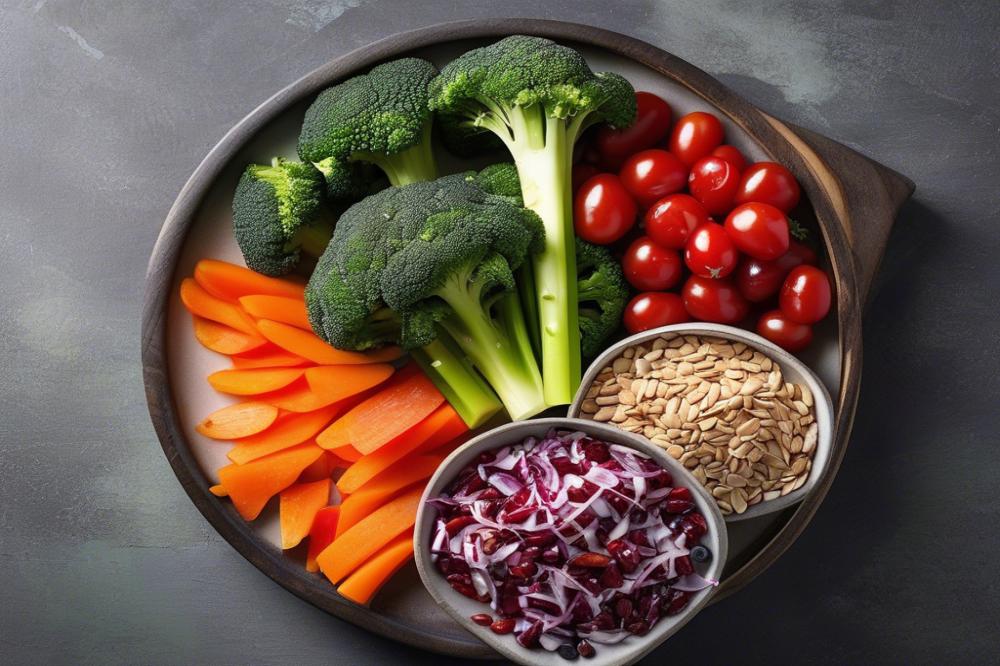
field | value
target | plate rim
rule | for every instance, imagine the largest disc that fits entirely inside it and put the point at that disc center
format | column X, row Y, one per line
column 166, row 251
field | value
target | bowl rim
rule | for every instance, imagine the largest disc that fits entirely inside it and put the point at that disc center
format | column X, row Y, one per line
column 516, row 431
column 822, row 403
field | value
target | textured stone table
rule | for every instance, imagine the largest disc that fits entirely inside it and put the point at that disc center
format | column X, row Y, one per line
column 105, row 109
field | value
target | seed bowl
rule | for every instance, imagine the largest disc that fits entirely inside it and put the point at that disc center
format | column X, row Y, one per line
column 461, row 608
column 792, row 369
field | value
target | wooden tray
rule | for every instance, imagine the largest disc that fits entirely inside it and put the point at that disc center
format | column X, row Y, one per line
column 854, row 198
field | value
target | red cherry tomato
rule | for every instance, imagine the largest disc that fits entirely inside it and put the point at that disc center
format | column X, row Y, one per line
column 732, row 155
column 695, row 136
column 652, row 310
column 759, row 230
column 770, row 183
column 651, row 267
column 713, row 181
column 582, row 173
column 784, row 332
column 603, row 211
column 652, row 122
column 759, row 280
column 805, row 296
column 652, row 174
column 710, row 251
column 671, row 220
column 706, row 299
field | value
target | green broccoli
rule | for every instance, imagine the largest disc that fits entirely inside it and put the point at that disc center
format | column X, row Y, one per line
column 602, row 294
column 538, row 97
column 278, row 214
column 410, row 263
column 381, row 118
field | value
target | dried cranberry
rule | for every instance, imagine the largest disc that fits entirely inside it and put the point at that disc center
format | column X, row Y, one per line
column 617, row 502
column 590, row 560
column 680, row 493
column 604, row 621
column 455, row 525
column 612, row 466
column 482, row 619
column 526, row 570
column 677, row 505
column 626, row 555
column 529, row 637
column 519, row 515
column 504, row 626
column 531, row 553
column 577, row 495
column 566, row 466
column 582, row 612
column 551, row 555
column 683, row 565
column 639, row 538
column 639, row 628
column 678, row 602
column 592, row 584
column 661, row 480
column 645, row 603
column 543, row 605
column 540, row 540
column 623, row 608
column 612, row 577
column 596, row 451
column 462, row 584
column 694, row 526
column 585, row 649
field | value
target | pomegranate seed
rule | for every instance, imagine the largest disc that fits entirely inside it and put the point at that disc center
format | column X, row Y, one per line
column 529, row 637
column 623, row 608
column 596, row 451
column 677, row 505
column 627, row 557
column 455, row 525
column 523, row 570
column 582, row 612
column 612, row 577
column 680, row 493
column 540, row 540
column 590, row 560
column 679, row 601
column 684, row 566
column 618, row 503
column 585, row 649
column 482, row 619
column 694, row 526
column 503, row 626
column 604, row 620
column 543, row 605
column 639, row 628
column 639, row 538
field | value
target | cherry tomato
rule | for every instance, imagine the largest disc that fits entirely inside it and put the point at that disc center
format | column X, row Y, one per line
column 671, row 220
column 784, row 332
column 732, row 155
column 805, row 296
column 759, row 280
column 652, row 122
column 713, row 181
column 652, row 174
column 695, row 136
column 710, row 252
column 770, row 183
column 603, row 211
column 651, row 267
column 706, row 299
column 759, row 230
column 653, row 309
column 582, row 173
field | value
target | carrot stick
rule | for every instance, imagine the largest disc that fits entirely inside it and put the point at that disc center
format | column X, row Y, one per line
column 239, row 420
column 254, row 380
column 321, row 469
column 321, row 534
column 380, row 489
column 225, row 339
column 362, row 585
column 250, row 486
column 336, row 382
column 297, row 507
column 268, row 356
column 200, row 302
column 277, row 308
column 307, row 345
column 229, row 281
column 288, row 431
column 388, row 413
column 218, row 490
column 442, row 425
column 348, row 453
column 365, row 538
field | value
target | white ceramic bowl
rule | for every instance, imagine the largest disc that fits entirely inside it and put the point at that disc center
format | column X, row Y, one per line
column 792, row 370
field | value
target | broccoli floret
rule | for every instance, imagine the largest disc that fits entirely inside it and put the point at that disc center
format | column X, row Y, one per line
column 602, row 293
column 538, row 97
column 278, row 214
column 500, row 179
column 434, row 257
column 381, row 118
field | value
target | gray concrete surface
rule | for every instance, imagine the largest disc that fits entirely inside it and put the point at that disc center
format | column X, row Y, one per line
column 106, row 107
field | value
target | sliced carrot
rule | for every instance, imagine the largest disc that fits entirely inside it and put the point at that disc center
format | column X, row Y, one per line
column 239, row 420
column 225, row 339
column 321, row 469
column 253, row 381
column 297, row 507
column 250, row 486
column 367, row 537
column 380, row 489
column 308, row 345
column 289, row 430
column 277, row 308
column 348, row 453
column 218, row 491
column 442, row 425
column 268, row 356
column 388, row 413
column 362, row 585
column 229, row 281
column 336, row 382
column 321, row 534
column 201, row 303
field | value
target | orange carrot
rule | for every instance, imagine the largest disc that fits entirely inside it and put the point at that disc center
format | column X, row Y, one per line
column 442, row 425
column 277, row 308
column 200, row 302
column 380, row 489
column 229, row 281
column 321, row 469
column 307, row 345
column 321, row 534
column 254, row 380
column 239, row 420
column 250, row 486
column 297, row 507
column 268, row 356
column 362, row 585
column 367, row 537
column 348, row 453
column 388, row 413
column 288, row 431
column 218, row 490
column 225, row 339
column 336, row 382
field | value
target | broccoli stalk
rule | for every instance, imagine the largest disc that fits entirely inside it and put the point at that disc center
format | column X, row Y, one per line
column 538, row 97
column 464, row 389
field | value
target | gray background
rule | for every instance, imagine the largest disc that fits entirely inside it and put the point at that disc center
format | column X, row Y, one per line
column 106, row 108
